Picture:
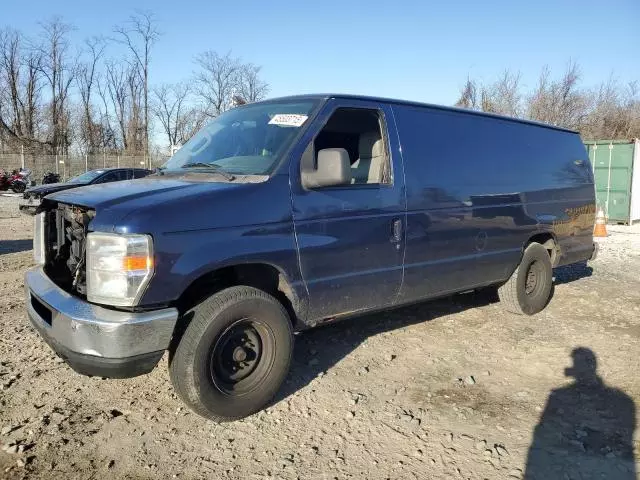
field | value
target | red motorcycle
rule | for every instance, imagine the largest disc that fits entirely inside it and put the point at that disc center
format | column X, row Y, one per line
column 16, row 181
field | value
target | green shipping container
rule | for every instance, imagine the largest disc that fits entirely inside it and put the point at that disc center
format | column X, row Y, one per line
column 616, row 168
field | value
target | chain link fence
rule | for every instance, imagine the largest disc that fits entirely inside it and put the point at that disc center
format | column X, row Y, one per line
column 68, row 166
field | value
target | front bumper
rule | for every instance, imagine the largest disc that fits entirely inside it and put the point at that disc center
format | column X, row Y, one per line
column 95, row 340
column 29, row 205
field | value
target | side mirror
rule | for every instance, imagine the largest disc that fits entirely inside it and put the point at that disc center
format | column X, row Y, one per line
column 334, row 168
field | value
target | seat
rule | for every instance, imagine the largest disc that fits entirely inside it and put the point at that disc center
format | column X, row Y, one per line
column 368, row 167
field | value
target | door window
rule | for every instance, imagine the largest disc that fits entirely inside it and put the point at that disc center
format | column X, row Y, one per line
column 360, row 132
column 113, row 176
column 107, row 177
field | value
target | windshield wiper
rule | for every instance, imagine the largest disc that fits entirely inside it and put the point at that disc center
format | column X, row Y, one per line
column 228, row 176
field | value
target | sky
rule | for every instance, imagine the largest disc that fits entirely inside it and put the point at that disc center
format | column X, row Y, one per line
column 418, row 50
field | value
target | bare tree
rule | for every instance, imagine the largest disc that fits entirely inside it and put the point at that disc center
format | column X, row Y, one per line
column 171, row 107
column 610, row 111
column 55, row 101
column 139, row 35
column 106, row 131
column 559, row 102
column 19, row 90
column 220, row 77
column 86, row 79
column 216, row 81
column 615, row 113
column 10, row 43
column 116, row 89
column 137, row 128
column 468, row 96
column 486, row 100
column 631, row 105
column 193, row 120
column 59, row 71
column 32, row 85
column 251, row 87
column 121, row 118
column 504, row 95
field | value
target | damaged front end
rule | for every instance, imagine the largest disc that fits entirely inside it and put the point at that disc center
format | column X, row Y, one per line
column 73, row 292
column 65, row 229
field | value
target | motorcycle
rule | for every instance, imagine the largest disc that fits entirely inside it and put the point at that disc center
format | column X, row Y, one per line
column 50, row 177
column 21, row 180
column 16, row 181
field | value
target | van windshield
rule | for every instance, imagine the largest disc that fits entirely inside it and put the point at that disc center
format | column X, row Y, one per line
column 247, row 140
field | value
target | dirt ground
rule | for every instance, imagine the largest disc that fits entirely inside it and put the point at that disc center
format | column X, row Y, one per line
column 455, row 388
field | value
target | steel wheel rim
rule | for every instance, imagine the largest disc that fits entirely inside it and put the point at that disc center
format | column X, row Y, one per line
column 242, row 357
column 533, row 279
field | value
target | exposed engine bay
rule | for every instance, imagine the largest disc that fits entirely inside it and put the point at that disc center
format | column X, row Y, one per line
column 65, row 242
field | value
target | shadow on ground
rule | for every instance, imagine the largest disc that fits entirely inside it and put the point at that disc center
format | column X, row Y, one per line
column 335, row 341
column 13, row 246
column 571, row 273
column 586, row 429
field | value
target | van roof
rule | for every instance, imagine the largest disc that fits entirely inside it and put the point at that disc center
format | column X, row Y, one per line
column 327, row 96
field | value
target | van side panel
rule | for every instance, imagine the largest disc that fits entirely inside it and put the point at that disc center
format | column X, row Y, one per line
column 478, row 188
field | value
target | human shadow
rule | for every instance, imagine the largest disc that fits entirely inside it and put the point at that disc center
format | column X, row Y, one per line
column 571, row 273
column 586, row 429
column 13, row 246
column 318, row 349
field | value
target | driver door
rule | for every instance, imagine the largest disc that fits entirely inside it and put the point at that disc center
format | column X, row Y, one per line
column 351, row 237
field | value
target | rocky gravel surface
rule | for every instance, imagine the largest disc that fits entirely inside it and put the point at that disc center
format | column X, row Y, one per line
column 455, row 388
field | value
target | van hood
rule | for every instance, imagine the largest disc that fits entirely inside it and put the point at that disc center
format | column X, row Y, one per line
column 166, row 203
column 153, row 189
column 46, row 189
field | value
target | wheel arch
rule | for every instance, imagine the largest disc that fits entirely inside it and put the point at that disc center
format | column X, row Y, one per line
column 549, row 242
column 260, row 275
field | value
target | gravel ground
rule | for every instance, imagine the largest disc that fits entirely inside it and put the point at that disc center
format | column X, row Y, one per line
column 455, row 388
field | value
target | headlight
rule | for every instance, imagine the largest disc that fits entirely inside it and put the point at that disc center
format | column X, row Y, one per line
column 119, row 267
column 38, row 239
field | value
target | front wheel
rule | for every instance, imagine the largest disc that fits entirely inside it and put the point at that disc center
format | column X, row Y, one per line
column 234, row 354
column 528, row 290
column 18, row 187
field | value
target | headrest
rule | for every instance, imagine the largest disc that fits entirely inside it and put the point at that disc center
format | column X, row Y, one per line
column 370, row 145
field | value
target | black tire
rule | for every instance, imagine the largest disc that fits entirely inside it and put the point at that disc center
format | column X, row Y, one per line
column 529, row 288
column 18, row 187
column 234, row 354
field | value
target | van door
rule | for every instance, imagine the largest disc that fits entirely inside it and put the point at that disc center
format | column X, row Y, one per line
column 351, row 237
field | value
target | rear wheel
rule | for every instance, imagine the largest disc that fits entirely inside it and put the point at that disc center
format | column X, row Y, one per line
column 528, row 290
column 234, row 354
column 18, row 187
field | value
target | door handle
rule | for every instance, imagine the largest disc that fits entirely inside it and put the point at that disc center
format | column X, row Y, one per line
column 396, row 231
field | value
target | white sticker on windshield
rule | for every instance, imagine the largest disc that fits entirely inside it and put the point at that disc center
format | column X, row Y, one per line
column 288, row 119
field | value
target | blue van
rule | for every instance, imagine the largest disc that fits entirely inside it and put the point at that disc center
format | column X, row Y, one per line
column 290, row 213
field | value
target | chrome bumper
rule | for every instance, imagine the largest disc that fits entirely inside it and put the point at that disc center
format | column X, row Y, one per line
column 94, row 334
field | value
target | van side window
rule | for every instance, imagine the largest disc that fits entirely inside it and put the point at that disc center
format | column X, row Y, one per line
column 361, row 133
